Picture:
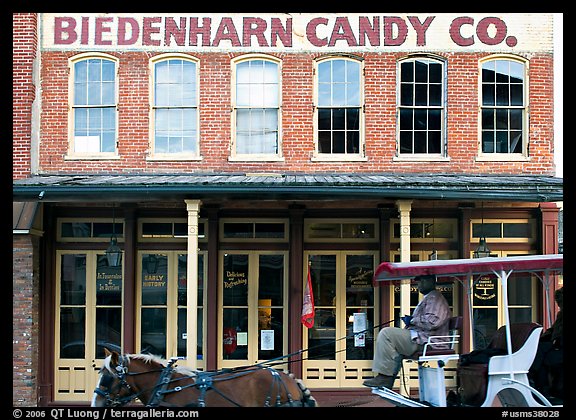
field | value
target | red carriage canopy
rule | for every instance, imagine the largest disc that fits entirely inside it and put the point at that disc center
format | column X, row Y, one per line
column 389, row 271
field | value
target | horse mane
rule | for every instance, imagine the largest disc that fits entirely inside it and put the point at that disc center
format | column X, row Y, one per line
column 152, row 358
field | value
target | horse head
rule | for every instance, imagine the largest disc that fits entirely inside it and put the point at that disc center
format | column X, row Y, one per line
column 112, row 388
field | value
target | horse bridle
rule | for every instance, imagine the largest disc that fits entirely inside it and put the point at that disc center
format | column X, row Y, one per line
column 121, row 374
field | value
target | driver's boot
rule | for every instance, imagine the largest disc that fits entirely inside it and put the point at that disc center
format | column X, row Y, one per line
column 380, row 381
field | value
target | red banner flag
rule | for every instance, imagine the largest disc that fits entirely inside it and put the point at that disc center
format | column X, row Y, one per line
column 308, row 303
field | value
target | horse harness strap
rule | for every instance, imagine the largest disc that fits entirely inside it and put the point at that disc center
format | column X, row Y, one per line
column 204, row 382
column 277, row 380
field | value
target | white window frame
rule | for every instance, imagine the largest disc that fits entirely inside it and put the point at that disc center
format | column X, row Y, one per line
column 72, row 154
column 258, row 157
column 442, row 156
column 339, row 157
column 152, row 154
column 505, row 157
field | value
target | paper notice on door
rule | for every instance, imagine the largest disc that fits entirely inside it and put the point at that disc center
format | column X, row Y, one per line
column 242, row 338
column 267, row 340
column 359, row 322
column 360, row 340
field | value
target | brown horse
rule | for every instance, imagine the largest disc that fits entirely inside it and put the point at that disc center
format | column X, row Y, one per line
column 158, row 382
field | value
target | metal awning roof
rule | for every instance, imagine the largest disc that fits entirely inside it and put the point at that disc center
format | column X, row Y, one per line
column 126, row 187
column 23, row 214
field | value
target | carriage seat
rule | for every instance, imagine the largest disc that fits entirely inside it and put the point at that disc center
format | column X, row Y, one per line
column 429, row 352
column 480, row 382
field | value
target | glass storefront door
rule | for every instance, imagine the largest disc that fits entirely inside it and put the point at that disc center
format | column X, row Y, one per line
column 162, row 303
column 89, row 318
column 253, row 304
column 340, row 345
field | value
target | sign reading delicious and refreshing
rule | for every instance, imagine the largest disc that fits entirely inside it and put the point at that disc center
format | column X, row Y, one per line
column 299, row 32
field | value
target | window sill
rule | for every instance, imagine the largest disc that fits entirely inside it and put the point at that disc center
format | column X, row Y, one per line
column 338, row 158
column 92, row 156
column 255, row 158
column 502, row 157
column 173, row 157
column 421, row 158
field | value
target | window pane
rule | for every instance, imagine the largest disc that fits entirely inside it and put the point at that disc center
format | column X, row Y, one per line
column 72, row 333
column 406, row 94
column 434, row 140
column 488, row 141
column 421, row 94
column 353, row 119
column 516, row 95
column 235, row 280
column 488, row 74
column 108, row 283
column 406, row 142
column 153, row 331
column 324, row 119
column 338, row 71
column 353, row 142
column 421, row 71
column 154, row 279
column 235, row 321
column 325, row 142
column 420, row 119
column 338, row 142
column 406, row 119
column 338, row 119
column 488, row 94
column 519, row 290
column 435, row 73
column 75, row 230
column 407, row 70
column 269, row 230
column 108, row 330
column 488, row 119
column 502, row 142
column 73, row 279
column 435, row 95
column 502, row 95
column 271, row 319
column 271, row 280
column 517, row 230
column 434, row 119
column 420, row 142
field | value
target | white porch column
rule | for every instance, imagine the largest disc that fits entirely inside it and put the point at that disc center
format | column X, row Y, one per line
column 193, row 208
column 404, row 207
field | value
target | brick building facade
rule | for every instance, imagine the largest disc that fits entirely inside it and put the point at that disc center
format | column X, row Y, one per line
column 376, row 198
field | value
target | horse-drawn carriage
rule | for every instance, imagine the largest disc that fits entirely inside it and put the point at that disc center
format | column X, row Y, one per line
column 501, row 379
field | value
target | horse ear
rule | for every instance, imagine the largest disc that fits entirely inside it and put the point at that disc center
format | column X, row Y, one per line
column 114, row 356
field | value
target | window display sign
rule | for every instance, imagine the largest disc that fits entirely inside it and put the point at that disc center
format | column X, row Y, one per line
column 485, row 289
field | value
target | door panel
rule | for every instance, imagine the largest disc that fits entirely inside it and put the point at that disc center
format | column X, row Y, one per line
column 253, row 302
column 89, row 314
column 340, row 345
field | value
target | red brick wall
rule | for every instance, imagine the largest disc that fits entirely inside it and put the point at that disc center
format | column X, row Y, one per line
column 297, row 122
column 25, row 320
column 24, row 51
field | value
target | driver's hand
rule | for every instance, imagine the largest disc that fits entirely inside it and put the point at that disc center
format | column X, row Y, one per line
column 406, row 319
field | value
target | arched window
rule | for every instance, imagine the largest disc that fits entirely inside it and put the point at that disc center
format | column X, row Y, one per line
column 94, row 106
column 256, row 106
column 175, row 108
column 421, row 107
column 339, row 113
column 503, row 105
